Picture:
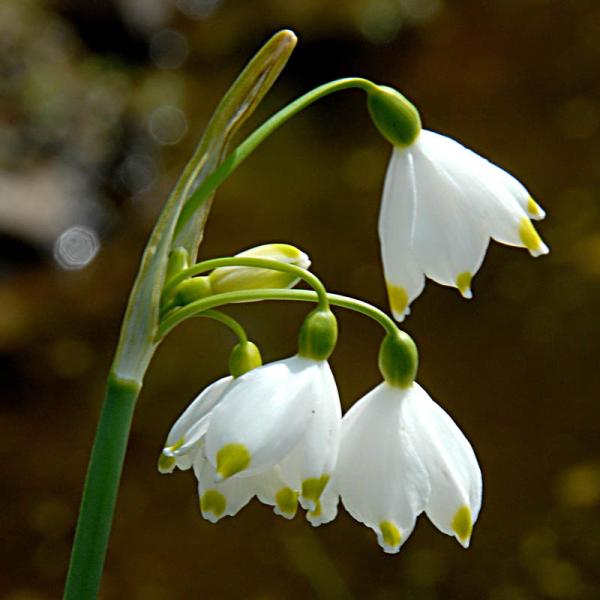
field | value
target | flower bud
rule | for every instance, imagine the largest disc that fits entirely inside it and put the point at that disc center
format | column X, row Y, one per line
column 396, row 118
column 230, row 279
column 398, row 359
column 190, row 290
column 244, row 357
column 179, row 259
column 318, row 335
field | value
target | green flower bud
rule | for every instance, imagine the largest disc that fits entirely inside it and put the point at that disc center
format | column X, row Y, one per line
column 190, row 290
column 244, row 357
column 318, row 335
column 179, row 259
column 398, row 359
column 396, row 118
column 230, row 279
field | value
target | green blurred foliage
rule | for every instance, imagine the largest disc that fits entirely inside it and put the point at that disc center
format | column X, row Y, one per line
column 101, row 104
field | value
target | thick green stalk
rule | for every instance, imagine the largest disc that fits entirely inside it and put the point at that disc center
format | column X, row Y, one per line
column 100, row 490
column 239, row 155
column 138, row 332
column 178, row 315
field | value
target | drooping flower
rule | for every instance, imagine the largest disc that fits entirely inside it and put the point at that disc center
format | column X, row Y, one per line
column 401, row 454
column 441, row 205
column 273, row 432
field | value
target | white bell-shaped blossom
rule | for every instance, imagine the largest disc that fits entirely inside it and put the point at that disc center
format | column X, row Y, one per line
column 441, row 204
column 400, row 455
column 273, row 432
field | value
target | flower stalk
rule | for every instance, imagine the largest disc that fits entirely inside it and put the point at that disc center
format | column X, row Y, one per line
column 137, row 341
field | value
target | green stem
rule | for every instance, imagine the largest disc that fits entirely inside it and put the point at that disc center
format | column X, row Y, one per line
column 260, row 263
column 239, row 155
column 100, row 490
column 177, row 316
column 228, row 321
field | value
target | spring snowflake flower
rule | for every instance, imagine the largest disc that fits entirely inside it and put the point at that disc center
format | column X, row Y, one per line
column 272, row 432
column 441, row 205
column 400, row 455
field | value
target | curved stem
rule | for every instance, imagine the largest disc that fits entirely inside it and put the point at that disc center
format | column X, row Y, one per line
column 261, row 263
column 228, row 321
column 193, row 309
column 237, row 157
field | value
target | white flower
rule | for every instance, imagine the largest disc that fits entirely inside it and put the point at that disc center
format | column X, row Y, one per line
column 272, row 432
column 441, row 204
column 400, row 455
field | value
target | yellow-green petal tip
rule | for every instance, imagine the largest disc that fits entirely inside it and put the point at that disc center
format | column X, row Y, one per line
column 231, row 459
column 462, row 525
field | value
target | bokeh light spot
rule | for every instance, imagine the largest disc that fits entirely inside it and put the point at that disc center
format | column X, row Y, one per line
column 168, row 49
column 579, row 485
column 76, row 247
column 168, row 124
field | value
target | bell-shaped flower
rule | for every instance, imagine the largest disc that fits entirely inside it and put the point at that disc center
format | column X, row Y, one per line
column 441, row 205
column 400, row 455
column 285, row 414
column 272, row 432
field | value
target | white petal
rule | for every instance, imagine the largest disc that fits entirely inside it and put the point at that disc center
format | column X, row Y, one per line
column 488, row 196
column 308, row 467
column 404, row 277
column 262, row 416
column 450, row 241
column 196, row 412
column 379, row 476
column 327, row 507
column 223, row 499
column 456, row 485
column 272, row 490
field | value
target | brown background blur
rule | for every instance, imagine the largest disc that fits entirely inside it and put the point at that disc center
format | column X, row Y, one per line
column 101, row 104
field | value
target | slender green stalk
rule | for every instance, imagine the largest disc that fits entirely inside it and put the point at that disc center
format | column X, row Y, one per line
column 100, row 490
column 259, row 263
column 228, row 321
column 177, row 316
column 239, row 155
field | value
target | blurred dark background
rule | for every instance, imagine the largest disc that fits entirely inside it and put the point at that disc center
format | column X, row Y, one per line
column 101, row 104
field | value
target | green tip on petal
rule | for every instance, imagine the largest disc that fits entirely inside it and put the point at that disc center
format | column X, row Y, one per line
column 231, row 459
column 533, row 208
column 396, row 118
column 286, row 501
column 390, row 534
column 531, row 238
column 212, row 501
column 398, row 298
column 463, row 283
column 398, row 359
column 462, row 525
column 313, row 487
column 166, row 464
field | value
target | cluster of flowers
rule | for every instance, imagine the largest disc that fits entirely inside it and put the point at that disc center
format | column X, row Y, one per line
column 276, row 431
